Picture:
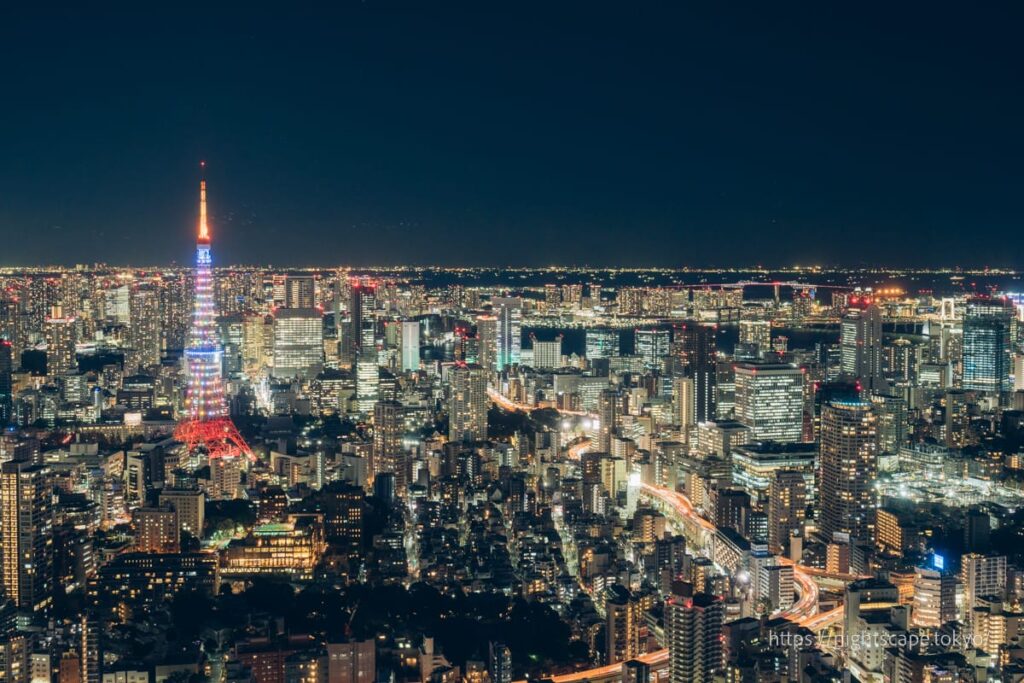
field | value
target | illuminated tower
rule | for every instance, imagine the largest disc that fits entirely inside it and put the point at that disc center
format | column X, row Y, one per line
column 206, row 424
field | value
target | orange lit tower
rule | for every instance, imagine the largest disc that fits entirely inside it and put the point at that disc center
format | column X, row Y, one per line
column 206, row 425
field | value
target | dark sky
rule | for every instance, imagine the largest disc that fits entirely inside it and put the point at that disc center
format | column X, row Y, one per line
column 519, row 133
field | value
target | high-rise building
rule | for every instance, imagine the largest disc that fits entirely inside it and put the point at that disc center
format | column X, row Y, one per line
column 6, row 382
column 622, row 625
column 987, row 365
column 299, row 291
column 693, row 631
column 787, row 507
column 652, row 345
column 892, row 421
column 487, row 342
column 860, row 340
column 61, row 340
column 601, row 342
column 696, row 349
column 770, row 400
column 758, row 333
column 225, row 478
column 983, row 576
column 367, row 380
column 934, row 598
column 26, row 530
column 388, row 455
column 848, row 468
column 156, row 530
column 607, row 414
column 547, row 355
column 362, row 311
column 467, row 406
column 189, row 506
column 298, row 343
column 509, row 311
column 410, row 346
column 144, row 333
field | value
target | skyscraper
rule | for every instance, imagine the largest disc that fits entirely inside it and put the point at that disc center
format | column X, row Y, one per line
column 387, row 442
column 696, row 350
column 6, row 382
column 770, row 400
column 848, row 466
column 987, row 364
column 787, row 507
column 860, row 339
column 298, row 343
column 467, row 406
column 144, row 334
column 26, row 527
column 652, row 345
column 410, row 346
column 206, row 424
column 607, row 413
column 509, row 311
column 601, row 342
column 487, row 342
column 756, row 332
column 61, row 339
column 362, row 314
column 299, row 291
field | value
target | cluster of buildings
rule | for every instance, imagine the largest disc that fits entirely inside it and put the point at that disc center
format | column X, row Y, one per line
column 692, row 484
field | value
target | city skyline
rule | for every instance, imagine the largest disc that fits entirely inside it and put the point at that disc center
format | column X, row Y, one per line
column 382, row 134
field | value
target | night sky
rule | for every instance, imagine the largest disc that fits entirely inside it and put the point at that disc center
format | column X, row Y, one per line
column 540, row 133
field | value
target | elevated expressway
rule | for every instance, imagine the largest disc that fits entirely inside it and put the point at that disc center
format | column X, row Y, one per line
column 701, row 535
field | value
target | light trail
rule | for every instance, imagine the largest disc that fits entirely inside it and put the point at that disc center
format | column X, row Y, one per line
column 509, row 404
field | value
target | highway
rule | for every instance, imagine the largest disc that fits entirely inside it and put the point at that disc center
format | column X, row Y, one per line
column 509, row 404
column 803, row 609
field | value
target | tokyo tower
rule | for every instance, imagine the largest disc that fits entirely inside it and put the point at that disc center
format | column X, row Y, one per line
column 206, row 425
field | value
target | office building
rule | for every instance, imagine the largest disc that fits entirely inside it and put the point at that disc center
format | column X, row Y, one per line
column 298, row 343
column 508, row 340
column 652, row 345
column 860, row 340
column 547, row 355
column 697, row 353
column 758, row 333
column 410, row 346
column 299, row 291
column 601, row 342
column 770, row 400
column 986, row 345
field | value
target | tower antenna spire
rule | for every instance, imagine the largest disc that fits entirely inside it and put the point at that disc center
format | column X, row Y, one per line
column 204, row 228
